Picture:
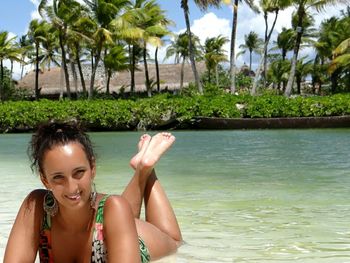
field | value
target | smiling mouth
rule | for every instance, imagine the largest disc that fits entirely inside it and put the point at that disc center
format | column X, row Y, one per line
column 74, row 197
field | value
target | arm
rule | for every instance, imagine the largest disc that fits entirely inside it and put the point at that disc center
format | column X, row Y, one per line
column 120, row 231
column 23, row 242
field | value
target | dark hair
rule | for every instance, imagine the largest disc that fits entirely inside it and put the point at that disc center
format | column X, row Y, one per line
column 55, row 133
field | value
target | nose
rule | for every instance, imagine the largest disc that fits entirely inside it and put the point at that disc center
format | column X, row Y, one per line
column 72, row 186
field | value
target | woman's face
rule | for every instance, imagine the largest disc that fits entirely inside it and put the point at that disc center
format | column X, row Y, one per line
column 68, row 174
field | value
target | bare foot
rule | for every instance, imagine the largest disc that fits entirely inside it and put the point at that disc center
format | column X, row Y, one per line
column 158, row 145
column 141, row 146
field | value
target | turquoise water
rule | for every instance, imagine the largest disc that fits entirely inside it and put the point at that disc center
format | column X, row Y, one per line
column 240, row 196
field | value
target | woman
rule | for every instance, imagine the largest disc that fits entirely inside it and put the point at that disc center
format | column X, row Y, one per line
column 70, row 222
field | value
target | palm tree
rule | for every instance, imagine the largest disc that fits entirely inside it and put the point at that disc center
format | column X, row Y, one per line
column 250, row 3
column 252, row 43
column 8, row 50
column 37, row 32
column 116, row 60
column 302, row 70
column 341, row 61
column 203, row 5
column 214, row 54
column 278, row 72
column 179, row 48
column 25, row 45
column 302, row 10
column 124, row 27
column 79, row 39
column 103, row 12
column 285, row 41
column 332, row 33
column 50, row 46
column 268, row 6
column 151, row 19
column 61, row 14
column 341, row 56
column 165, row 22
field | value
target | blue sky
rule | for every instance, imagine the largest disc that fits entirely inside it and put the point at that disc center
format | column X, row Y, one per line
column 15, row 16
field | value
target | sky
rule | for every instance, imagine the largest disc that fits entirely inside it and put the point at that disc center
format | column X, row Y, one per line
column 15, row 16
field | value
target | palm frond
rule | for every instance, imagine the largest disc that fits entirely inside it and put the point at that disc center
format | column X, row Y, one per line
column 339, row 62
column 342, row 48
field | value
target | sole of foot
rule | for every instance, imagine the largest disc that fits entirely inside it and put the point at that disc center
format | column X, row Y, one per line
column 141, row 146
column 158, row 145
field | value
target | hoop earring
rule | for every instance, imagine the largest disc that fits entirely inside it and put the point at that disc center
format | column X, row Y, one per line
column 50, row 204
column 93, row 196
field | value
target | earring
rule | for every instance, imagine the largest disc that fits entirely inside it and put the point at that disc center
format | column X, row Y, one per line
column 50, row 204
column 93, row 196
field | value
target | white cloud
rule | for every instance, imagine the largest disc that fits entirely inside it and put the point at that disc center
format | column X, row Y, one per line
column 210, row 26
column 35, row 13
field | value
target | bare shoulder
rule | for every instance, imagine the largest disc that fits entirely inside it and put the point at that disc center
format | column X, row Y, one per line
column 34, row 200
column 37, row 194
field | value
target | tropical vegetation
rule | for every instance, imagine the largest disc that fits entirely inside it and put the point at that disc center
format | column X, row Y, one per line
column 117, row 35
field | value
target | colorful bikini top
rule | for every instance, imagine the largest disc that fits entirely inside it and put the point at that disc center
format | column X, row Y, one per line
column 98, row 253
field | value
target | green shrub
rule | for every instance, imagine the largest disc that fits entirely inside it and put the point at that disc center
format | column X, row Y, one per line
column 152, row 113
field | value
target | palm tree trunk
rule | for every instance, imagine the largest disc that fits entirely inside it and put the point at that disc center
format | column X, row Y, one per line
column 22, row 69
column 11, row 71
column 334, row 81
column 92, row 61
column 93, row 74
column 233, row 43
column 217, row 75
column 182, row 74
column 301, row 14
column 298, row 80
column 109, row 74
column 1, row 80
column 64, row 64
column 284, row 54
column 106, row 71
column 132, row 70
column 148, row 86
column 157, row 69
column 265, row 50
column 257, row 75
column 250, row 60
column 81, row 74
column 190, row 47
column 37, row 90
column 209, row 75
column 75, row 77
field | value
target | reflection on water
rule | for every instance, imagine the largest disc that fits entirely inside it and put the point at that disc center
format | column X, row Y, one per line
column 240, row 196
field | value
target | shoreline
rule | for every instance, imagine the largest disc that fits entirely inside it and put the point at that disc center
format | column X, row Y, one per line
column 213, row 123
column 272, row 123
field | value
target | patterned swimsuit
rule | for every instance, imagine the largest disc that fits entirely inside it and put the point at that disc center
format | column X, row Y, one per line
column 98, row 253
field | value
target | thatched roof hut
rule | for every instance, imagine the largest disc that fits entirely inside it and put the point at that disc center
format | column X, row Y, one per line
column 52, row 83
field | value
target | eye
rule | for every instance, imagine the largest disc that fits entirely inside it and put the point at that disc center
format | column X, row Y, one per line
column 79, row 173
column 58, row 177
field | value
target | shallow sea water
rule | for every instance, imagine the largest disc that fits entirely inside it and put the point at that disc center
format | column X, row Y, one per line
column 240, row 196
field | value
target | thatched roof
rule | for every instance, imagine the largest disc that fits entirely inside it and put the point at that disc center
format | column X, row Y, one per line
column 52, row 81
